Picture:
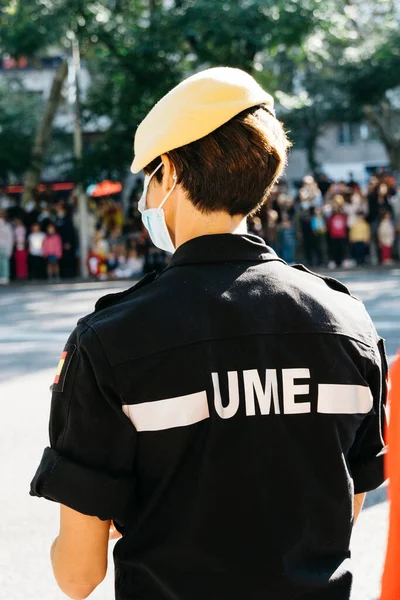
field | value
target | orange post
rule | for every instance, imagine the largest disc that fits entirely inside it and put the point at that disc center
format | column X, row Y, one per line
column 391, row 574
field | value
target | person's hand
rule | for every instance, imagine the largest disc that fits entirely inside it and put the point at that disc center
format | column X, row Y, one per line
column 114, row 534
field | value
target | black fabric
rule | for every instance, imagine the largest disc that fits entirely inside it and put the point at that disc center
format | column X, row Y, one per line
column 225, row 412
column 89, row 466
column 86, row 490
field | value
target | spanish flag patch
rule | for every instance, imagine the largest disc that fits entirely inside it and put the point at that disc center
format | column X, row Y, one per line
column 61, row 373
column 60, row 367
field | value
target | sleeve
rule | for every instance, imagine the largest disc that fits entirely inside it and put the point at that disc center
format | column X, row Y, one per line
column 89, row 464
column 366, row 457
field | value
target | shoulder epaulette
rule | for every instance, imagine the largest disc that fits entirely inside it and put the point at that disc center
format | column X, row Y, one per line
column 111, row 299
column 331, row 282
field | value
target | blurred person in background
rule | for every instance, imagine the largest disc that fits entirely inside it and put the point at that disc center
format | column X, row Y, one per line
column 115, row 237
column 134, row 263
column 337, row 231
column 351, row 182
column 386, row 237
column 111, row 214
column 307, row 236
column 45, row 217
column 318, row 228
column 6, row 248
column 310, row 192
column 20, row 250
column 360, row 237
column 324, row 183
column 131, row 266
column 112, row 263
column 255, row 226
column 373, row 182
column 101, row 245
column 338, row 189
column 285, row 206
column 93, row 264
column 378, row 204
column 395, row 203
column 287, row 240
column 101, row 250
column 36, row 262
column 353, row 206
column 52, row 252
column 271, row 227
column 65, row 228
column 31, row 214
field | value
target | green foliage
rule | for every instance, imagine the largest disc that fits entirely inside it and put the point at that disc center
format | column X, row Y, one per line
column 233, row 33
column 370, row 80
column 323, row 60
column 140, row 60
column 19, row 113
column 350, row 69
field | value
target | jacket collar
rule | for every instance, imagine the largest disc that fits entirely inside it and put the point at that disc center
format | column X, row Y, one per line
column 226, row 247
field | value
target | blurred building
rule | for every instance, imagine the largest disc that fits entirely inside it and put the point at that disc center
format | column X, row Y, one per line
column 36, row 76
column 342, row 149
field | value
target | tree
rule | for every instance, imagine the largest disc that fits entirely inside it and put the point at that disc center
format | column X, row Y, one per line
column 26, row 28
column 43, row 133
column 18, row 116
column 350, row 71
column 29, row 28
column 374, row 84
column 138, row 61
column 235, row 33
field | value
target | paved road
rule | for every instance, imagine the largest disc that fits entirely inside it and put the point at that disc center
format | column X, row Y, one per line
column 34, row 325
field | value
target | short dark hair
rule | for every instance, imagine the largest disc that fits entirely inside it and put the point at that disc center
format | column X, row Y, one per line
column 233, row 168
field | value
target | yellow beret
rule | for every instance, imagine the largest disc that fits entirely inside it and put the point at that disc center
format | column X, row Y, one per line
column 193, row 109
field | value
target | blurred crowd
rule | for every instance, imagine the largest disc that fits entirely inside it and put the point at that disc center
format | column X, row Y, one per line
column 334, row 224
column 321, row 223
column 41, row 240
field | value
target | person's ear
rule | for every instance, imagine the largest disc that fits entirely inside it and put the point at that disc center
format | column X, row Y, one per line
column 169, row 174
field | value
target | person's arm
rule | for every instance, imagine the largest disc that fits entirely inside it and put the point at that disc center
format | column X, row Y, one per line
column 358, row 504
column 366, row 456
column 89, row 467
column 79, row 553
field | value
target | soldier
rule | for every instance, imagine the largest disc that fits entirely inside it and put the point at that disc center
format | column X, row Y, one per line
column 227, row 413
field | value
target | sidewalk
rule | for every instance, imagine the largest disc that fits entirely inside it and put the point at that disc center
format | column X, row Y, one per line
column 336, row 273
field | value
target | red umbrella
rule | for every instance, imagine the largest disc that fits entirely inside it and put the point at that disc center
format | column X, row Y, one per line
column 105, row 188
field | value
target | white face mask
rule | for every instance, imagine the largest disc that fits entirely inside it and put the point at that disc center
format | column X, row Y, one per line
column 154, row 218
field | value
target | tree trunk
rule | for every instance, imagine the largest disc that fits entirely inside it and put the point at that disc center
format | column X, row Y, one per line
column 311, row 144
column 43, row 132
column 311, row 148
column 386, row 121
column 154, row 5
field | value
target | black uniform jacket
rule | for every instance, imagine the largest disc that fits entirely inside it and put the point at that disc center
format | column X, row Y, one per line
column 223, row 414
